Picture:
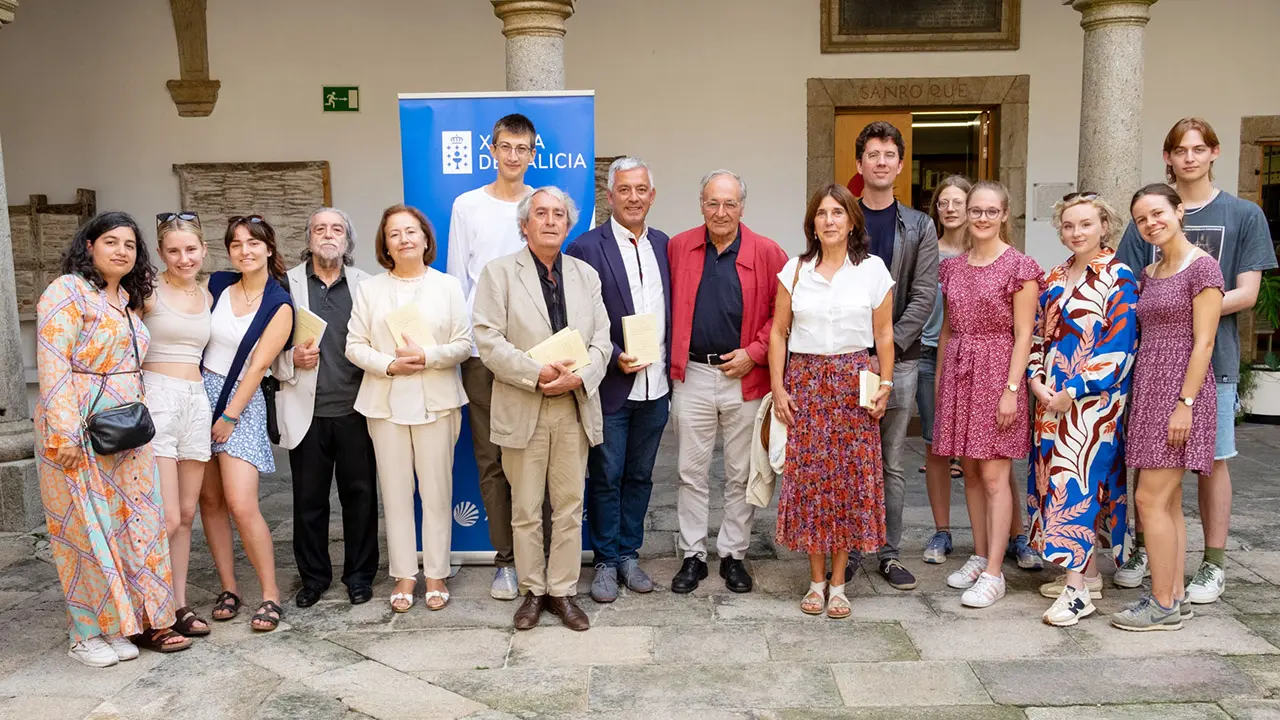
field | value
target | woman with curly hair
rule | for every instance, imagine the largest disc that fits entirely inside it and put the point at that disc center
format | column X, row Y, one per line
column 104, row 514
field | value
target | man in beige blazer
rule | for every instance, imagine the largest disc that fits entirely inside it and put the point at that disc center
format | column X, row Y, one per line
column 318, row 423
column 544, row 417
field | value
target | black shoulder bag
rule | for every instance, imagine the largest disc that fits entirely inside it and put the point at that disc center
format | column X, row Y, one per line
column 123, row 427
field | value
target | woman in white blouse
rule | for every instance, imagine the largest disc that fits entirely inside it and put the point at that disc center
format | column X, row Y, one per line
column 834, row 304
column 412, row 394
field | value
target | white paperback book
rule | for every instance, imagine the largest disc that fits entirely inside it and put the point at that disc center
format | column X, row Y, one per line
column 868, row 386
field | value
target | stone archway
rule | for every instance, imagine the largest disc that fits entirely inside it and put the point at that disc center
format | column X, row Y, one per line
column 1009, row 94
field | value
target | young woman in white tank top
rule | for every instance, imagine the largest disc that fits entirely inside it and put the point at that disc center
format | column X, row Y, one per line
column 177, row 315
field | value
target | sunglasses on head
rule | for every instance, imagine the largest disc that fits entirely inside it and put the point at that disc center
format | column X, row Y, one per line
column 168, row 217
column 254, row 219
column 1086, row 194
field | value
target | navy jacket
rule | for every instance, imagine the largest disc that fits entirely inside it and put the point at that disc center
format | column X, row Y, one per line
column 274, row 295
column 598, row 247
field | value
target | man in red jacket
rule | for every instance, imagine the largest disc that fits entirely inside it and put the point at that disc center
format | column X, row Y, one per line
column 723, row 285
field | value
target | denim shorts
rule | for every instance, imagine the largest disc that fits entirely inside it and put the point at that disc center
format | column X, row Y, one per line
column 925, row 397
column 1224, row 446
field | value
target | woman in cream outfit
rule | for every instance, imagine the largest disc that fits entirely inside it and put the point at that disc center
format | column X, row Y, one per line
column 412, row 394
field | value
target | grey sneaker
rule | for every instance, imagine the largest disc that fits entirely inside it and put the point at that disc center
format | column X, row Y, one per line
column 1145, row 615
column 635, row 578
column 604, row 588
column 1207, row 585
column 938, row 549
column 505, row 586
column 1020, row 549
column 1132, row 572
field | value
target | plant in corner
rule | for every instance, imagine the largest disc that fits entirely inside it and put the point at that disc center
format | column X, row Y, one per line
column 1260, row 382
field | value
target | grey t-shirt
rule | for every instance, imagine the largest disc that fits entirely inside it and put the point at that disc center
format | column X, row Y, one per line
column 1235, row 232
column 933, row 326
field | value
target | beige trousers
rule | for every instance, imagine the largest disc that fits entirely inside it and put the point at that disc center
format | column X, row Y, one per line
column 554, row 464
column 707, row 402
column 427, row 449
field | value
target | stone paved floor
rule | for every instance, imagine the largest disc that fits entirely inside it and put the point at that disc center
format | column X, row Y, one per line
column 708, row 656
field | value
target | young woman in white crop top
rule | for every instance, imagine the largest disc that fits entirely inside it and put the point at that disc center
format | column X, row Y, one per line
column 177, row 315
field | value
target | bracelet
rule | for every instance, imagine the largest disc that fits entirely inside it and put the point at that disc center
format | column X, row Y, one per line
column 228, row 419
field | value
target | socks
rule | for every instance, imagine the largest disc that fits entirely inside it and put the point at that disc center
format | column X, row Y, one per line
column 1216, row 556
column 1140, row 541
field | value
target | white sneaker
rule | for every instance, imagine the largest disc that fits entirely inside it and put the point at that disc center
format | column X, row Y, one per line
column 1070, row 606
column 1132, row 572
column 1053, row 589
column 968, row 573
column 505, row 586
column 94, row 652
column 985, row 591
column 123, row 649
column 1207, row 585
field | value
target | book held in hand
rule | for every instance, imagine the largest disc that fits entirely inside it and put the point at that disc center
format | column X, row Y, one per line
column 640, row 337
column 407, row 321
column 564, row 345
column 868, row 386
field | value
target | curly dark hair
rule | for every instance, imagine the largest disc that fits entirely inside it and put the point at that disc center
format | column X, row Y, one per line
column 857, row 244
column 76, row 259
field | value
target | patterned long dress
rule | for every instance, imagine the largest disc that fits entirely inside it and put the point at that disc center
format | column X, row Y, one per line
column 1086, row 347
column 106, row 522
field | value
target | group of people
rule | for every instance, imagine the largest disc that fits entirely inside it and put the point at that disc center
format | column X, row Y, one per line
column 951, row 318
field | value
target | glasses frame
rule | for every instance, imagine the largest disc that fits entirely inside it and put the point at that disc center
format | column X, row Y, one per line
column 254, row 219
column 983, row 211
column 1086, row 194
column 168, row 217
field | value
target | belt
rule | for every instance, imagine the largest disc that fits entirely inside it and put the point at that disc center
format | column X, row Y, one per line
column 713, row 359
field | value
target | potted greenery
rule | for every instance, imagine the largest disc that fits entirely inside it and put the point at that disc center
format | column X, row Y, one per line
column 1260, row 381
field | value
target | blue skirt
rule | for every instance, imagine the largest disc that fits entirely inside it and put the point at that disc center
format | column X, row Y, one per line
column 249, row 440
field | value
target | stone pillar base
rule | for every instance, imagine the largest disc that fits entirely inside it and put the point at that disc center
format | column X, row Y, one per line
column 21, row 509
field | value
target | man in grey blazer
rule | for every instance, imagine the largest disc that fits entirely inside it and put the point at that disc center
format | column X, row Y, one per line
column 544, row 416
column 318, row 423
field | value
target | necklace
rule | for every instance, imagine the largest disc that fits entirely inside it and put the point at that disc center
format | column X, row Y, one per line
column 407, row 279
column 251, row 300
column 193, row 291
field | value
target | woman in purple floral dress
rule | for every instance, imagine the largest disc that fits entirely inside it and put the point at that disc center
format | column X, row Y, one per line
column 1174, row 404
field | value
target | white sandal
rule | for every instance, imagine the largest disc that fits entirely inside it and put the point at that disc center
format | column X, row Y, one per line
column 401, row 596
column 838, row 603
column 815, row 600
column 444, row 597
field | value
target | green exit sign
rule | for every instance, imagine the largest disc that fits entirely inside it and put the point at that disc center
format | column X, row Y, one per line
column 341, row 98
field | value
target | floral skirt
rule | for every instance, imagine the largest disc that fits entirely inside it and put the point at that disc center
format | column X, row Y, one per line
column 833, row 483
column 249, row 440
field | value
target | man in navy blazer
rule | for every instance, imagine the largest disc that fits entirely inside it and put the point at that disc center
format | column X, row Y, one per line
column 631, row 258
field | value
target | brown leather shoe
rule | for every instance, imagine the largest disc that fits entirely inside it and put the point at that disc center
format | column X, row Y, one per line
column 569, row 613
column 530, row 611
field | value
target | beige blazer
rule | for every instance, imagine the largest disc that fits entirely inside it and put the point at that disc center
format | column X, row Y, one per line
column 296, row 399
column 372, row 348
column 511, row 317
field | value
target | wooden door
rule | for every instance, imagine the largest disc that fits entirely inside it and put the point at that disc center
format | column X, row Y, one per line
column 848, row 125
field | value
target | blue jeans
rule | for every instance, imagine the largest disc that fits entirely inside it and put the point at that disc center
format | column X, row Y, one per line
column 620, row 478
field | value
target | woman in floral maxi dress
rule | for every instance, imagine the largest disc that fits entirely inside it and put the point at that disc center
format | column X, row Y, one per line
column 106, row 523
column 1081, row 357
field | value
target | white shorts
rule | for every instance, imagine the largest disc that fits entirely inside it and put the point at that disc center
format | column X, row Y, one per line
column 183, row 420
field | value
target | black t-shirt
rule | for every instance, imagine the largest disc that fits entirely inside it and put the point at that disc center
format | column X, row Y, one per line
column 717, row 310
column 882, row 227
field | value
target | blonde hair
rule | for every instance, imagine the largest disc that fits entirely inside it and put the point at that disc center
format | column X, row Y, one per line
column 178, row 225
column 1106, row 214
column 999, row 190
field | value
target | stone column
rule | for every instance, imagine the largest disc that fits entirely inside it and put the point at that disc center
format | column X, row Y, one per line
column 20, row 505
column 1111, row 98
column 535, row 42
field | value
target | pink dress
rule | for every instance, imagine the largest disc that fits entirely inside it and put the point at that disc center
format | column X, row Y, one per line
column 1164, row 350
column 975, row 368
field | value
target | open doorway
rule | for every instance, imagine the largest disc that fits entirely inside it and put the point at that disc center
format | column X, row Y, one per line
column 939, row 142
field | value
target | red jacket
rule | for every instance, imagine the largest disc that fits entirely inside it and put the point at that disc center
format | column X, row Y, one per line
column 759, row 262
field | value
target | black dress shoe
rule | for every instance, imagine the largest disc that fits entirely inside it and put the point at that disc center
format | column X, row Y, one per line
column 735, row 575
column 693, row 570
column 359, row 594
column 307, row 597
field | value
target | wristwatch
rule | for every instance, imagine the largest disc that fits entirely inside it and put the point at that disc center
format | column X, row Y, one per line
column 886, row 383
column 1186, row 401
column 1013, row 387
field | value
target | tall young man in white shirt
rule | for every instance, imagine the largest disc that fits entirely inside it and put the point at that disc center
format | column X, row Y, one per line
column 1234, row 231
column 483, row 227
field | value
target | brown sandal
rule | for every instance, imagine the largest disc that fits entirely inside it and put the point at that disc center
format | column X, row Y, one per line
column 228, row 602
column 186, row 620
column 158, row 641
column 264, row 616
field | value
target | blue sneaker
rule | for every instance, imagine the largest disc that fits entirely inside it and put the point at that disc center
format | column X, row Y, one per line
column 1027, row 558
column 939, row 548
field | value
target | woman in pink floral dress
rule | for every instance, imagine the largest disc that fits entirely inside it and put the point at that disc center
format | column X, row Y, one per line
column 991, row 293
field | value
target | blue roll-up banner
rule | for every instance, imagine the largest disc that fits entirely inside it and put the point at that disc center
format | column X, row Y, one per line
column 444, row 140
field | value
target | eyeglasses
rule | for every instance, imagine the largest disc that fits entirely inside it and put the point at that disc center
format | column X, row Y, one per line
column 715, row 206
column 1083, row 194
column 507, row 148
column 992, row 213
column 162, row 218
column 947, row 204
column 255, row 219
column 875, row 156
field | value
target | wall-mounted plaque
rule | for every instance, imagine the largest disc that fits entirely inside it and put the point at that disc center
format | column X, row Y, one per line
column 40, row 232
column 919, row 25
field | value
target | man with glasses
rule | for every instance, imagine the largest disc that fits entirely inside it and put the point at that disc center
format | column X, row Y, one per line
column 906, row 240
column 318, row 422
column 723, row 285
column 482, row 228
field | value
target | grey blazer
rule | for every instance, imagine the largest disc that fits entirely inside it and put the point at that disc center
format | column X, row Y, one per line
column 915, row 278
column 510, row 316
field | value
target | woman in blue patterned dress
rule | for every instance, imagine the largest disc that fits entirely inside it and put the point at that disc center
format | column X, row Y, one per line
column 1082, row 352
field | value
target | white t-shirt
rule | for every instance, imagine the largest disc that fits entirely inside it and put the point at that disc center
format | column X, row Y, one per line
column 834, row 317
column 482, row 228
column 226, row 331
column 645, row 280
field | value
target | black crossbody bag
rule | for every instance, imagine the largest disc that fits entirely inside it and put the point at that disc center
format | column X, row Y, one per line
column 123, row 427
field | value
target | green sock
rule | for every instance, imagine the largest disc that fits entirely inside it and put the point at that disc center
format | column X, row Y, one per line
column 1140, row 540
column 1217, row 556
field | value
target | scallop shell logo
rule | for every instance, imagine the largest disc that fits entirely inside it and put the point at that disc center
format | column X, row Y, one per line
column 465, row 513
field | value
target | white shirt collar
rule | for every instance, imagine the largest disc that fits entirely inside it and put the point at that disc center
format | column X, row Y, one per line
column 622, row 233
